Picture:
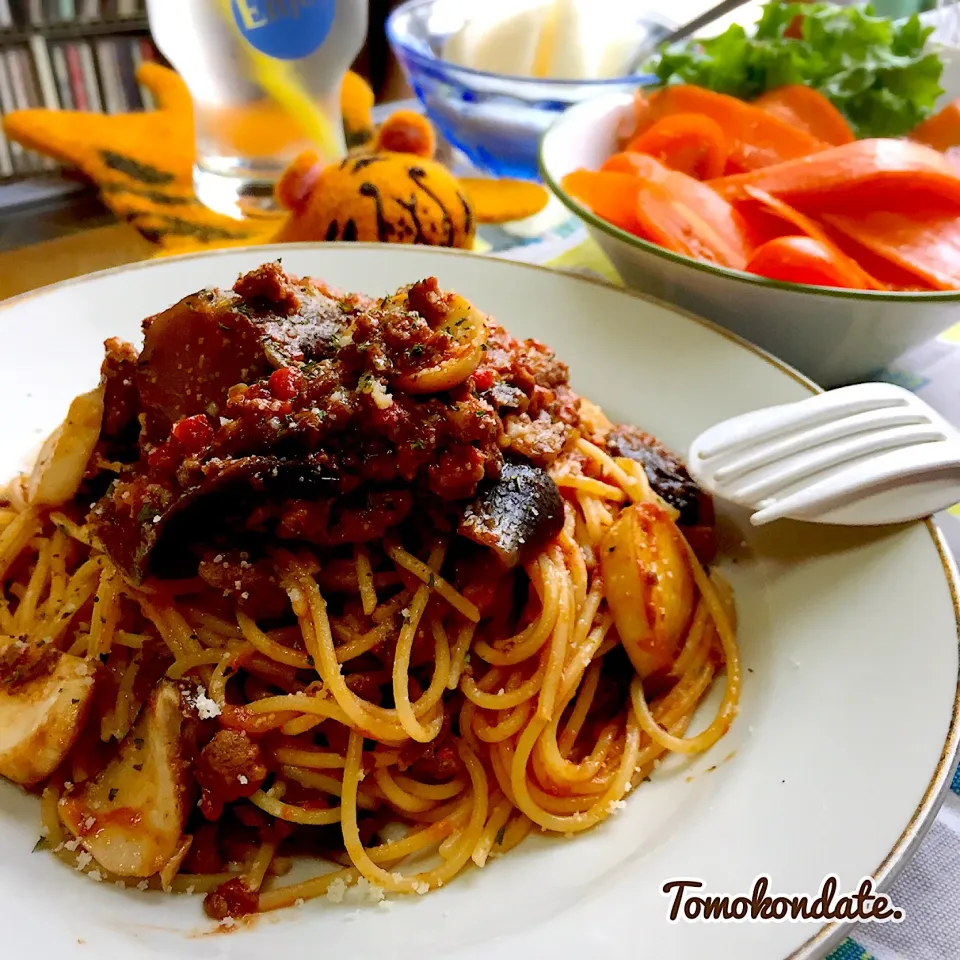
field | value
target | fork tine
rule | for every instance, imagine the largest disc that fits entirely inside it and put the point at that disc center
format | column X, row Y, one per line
column 772, row 423
column 833, row 455
column 830, row 493
column 870, row 422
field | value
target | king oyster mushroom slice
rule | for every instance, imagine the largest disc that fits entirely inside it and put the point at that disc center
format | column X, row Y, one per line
column 44, row 701
column 131, row 817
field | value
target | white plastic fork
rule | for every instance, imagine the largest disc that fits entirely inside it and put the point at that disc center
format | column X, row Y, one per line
column 864, row 455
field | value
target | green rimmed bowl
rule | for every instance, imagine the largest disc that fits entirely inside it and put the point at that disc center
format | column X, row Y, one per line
column 833, row 336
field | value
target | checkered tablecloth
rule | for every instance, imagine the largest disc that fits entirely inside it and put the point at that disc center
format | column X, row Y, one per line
column 928, row 888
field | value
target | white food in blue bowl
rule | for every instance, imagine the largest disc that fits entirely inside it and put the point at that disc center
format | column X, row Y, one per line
column 493, row 77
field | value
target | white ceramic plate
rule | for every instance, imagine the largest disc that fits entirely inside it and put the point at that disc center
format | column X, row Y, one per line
column 847, row 734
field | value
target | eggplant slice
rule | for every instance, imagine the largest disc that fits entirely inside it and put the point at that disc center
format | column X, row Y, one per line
column 516, row 514
column 195, row 351
column 153, row 530
column 666, row 473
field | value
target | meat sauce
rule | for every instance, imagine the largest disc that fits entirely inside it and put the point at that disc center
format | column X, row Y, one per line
column 287, row 372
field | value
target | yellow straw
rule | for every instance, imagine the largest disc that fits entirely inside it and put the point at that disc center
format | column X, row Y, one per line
column 280, row 82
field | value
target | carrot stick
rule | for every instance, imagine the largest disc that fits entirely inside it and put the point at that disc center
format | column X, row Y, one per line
column 756, row 138
column 809, row 110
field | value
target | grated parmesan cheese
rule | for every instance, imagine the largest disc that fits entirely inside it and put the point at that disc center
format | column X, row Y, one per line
column 71, row 845
column 243, row 779
column 380, row 396
column 206, row 708
column 337, row 890
column 83, row 860
column 96, row 876
column 143, row 885
column 364, row 892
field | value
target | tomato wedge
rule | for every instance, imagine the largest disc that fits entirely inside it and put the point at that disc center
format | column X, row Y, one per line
column 810, row 228
column 853, row 177
column 804, row 260
column 610, row 195
column 690, row 143
column 755, row 137
column 688, row 217
column 636, row 164
column 666, row 207
column 809, row 110
column 926, row 245
column 942, row 130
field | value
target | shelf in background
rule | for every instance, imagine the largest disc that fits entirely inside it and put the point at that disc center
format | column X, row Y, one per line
column 45, row 207
column 75, row 30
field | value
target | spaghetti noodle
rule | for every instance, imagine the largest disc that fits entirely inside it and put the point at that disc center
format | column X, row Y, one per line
column 507, row 632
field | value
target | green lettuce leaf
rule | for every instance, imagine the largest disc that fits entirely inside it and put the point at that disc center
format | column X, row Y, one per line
column 877, row 72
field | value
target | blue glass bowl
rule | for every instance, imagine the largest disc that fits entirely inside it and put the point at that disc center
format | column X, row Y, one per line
column 495, row 120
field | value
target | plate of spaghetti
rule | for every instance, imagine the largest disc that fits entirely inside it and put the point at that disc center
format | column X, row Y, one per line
column 366, row 584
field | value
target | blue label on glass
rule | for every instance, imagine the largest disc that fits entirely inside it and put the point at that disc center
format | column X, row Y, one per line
column 285, row 29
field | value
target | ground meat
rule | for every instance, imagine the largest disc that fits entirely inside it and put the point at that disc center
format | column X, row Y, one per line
column 457, row 473
column 279, row 373
column 199, row 348
column 271, row 285
column 540, row 441
column 230, row 766
column 232, row 899
column 429, row 301
column 121, row 400
column 331, row 522
column 542, row 364
column 253, row 585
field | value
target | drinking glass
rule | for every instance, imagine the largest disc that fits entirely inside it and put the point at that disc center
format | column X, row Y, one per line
column 265, row 79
